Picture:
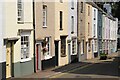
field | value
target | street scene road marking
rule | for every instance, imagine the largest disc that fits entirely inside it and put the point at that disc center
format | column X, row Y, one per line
column 58, row 75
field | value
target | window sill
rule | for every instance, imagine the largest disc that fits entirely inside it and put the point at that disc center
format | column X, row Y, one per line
column 72, row 8
column 25, row 60
column 74, row 54
column 44, row 26
column 20, row 22
column 47, row 57
column 63, row 55
column 61, row 29
column 95, row 51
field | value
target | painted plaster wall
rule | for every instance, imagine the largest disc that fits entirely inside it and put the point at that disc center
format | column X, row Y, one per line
column 2, row 47
column 49, row 31
column 94, row 21
column 81, row 30
column 61, row 7
column 11, row 29
column 88, row 19
column 12, row 26
column 72, row 12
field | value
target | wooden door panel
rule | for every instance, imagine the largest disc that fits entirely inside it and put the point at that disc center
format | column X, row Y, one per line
column 8, row 60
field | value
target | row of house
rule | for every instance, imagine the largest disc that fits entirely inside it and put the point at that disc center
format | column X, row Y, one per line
column 37, row 35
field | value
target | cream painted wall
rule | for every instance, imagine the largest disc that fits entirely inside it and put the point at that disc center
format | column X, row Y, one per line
column 88, row 20
column 88, row 36
column 61, row 7
column 2, row 32
column 63, row 60
column 11, row 26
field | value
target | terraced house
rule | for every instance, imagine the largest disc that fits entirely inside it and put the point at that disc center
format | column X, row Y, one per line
column 81, row 30
column 45, row 34
column 39, row 34
column 72, row 31
column 61, row 32
column 18, row 38
column 94, row 31
column 51, row 33
column 88, row 30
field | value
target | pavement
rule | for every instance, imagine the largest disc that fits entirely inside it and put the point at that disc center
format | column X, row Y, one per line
column 52, row 72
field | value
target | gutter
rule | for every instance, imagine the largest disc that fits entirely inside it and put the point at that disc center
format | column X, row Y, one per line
column 34, row 35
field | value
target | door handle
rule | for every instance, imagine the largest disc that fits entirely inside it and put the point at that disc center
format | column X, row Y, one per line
column 7, row 64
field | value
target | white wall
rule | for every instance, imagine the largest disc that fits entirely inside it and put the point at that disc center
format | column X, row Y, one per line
column 12, row 27
column 94, row 21
column 72, row 12
column 2, row 47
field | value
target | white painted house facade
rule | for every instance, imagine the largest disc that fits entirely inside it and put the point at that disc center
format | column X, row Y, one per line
column 72, row 31
column 18, row 38
column 94, row 31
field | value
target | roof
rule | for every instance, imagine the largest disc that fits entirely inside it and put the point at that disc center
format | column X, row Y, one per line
column 94, row 5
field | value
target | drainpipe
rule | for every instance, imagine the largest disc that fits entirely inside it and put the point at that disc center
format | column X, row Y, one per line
column 34, row 35
column 78, row 44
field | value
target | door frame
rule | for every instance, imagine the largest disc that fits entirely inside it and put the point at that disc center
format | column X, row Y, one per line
column 38, row 57
column 11, row 58
column 57, row 53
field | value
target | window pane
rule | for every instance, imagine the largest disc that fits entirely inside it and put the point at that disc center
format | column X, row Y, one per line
column 81, row 7
column 44, row 15
column 72, row 23
column 72, row 4
column 24, row 47
column 61, row 15
column 63, row 46
column 20, row 10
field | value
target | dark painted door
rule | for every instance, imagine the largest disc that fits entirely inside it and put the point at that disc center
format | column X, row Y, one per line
column 56, row 52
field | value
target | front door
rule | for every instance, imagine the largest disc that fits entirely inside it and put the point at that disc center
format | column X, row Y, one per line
column 8, row 59
column 56, row 52
column 69, row 52
column 38, row 57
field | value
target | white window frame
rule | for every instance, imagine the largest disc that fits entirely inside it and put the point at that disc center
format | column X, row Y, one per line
column 72, row 24
column 81, row 7
column 88, row 29
column 95, row 43
column 20, row 10
column 48, row 47
column 94, row 30
column 82, row 47
column 94, row 14
column 44, row 16
column 74, row 46
column 29, row 57
column 88, row 10
column 72, row 4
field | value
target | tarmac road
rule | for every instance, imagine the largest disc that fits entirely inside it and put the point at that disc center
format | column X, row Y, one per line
column 101, row 69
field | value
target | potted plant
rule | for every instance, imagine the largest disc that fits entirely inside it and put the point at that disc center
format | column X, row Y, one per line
column 103, row 56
